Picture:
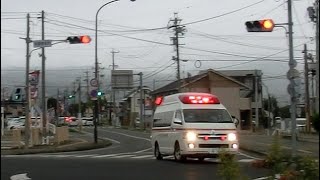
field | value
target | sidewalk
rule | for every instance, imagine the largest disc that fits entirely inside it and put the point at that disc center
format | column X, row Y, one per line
column 260, row 142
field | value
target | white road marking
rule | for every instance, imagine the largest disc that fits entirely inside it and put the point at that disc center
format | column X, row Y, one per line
column 60, row 155
column 141, row 157
column 143, row 150
column 246, row 155
column 246, row 160
column 87, row 155
column 112, row 140
column 122, row 156
column 107, row 155
column 20, row 177
column 262, row 178
column 304, row 151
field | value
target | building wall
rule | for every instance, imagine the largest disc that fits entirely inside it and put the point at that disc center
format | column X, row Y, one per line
column 230, row 98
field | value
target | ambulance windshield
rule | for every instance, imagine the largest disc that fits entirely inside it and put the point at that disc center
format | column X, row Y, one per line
column 206, row 116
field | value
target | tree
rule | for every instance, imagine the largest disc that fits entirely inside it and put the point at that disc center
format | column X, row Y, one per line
column 285, row 111
column 274, row 105
column 316, row 122
column 52, row 103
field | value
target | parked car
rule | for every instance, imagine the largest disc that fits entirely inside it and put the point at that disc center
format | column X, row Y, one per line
column 15, row 123
column 71, row 121
column 87, row 121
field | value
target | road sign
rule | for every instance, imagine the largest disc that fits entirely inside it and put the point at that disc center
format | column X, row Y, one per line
column 42, row 43
column 34, row 78
column 122, row 79
column 94, row 94
column 94, row 82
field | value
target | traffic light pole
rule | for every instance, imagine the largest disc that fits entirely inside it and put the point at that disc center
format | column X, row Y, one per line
column 96, row 71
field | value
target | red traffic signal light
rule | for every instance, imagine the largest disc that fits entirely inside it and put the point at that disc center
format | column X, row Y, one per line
column 79, row 39
column 265, row 25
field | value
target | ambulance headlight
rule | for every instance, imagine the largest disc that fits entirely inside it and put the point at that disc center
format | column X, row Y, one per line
column 232, row 137
column 191, row 136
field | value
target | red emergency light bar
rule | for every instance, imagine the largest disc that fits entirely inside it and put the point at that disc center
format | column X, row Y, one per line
column 199, row 99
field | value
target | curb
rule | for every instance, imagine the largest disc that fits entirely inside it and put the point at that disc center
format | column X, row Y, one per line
column 78, row 146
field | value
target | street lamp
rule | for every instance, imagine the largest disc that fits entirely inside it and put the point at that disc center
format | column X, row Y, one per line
column 96, row 69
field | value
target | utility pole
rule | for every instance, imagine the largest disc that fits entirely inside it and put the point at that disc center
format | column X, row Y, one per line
column 74, row 93
column 142, row 123
column 178, row 32
column 87, row 86
column 294, row 85
column 317, row 56
column 27, row 107
column 43, row 83
column 314, row 16
column 113, row 90
column 79, row 105
column 256, row 101
column 306, row 83
column 57, row 109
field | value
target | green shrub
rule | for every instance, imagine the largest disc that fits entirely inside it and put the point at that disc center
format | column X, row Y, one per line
column 297, row 168
column 229, row 168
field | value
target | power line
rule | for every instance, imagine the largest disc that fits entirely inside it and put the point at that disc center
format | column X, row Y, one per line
column 224, row 14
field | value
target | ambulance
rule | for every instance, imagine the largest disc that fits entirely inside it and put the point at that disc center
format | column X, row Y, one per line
column 192, row 125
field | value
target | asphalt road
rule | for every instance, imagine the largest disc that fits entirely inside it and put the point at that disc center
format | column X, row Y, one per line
column 130, row 157
column 67, row 168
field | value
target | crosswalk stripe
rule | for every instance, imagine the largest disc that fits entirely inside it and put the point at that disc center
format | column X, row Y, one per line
column 140, row 157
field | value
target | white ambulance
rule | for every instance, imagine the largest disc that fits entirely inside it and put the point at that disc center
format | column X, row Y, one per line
column 194, row 125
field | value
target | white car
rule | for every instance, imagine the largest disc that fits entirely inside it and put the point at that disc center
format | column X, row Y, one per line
column 15, row 123
column 87, row 121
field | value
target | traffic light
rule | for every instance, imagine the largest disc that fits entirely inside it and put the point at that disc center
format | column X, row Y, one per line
column 265, row 25
column 79, row 39
column 17, row 96
column 99, row 93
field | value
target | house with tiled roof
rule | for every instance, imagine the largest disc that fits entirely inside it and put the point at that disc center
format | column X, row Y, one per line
column 226, row 88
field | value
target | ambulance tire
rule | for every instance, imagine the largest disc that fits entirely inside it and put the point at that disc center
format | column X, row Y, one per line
column 177, row 153
column 157, row 153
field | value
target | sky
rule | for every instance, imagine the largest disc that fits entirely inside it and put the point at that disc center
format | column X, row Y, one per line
column 126, row 27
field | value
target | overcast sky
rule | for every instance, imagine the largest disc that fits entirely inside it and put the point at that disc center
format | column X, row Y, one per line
column 223, row 34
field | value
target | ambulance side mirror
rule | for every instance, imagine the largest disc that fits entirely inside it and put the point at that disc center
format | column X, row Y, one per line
column 177, row 121
column 235, row 121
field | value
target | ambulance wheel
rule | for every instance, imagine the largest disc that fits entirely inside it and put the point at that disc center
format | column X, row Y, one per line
column 157, row 153
column 177, row 153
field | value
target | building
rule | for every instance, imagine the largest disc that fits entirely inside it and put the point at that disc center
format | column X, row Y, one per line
column 229, row 90
column 130, row 107
column 252, row 79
